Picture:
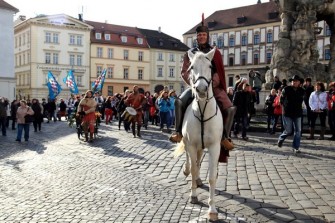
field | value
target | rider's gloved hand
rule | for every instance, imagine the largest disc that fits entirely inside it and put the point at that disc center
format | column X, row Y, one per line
column 82, row 113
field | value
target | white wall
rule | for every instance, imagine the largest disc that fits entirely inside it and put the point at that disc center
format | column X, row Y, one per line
column 7, row 73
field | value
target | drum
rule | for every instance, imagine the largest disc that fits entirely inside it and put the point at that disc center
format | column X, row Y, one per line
column 128, row 114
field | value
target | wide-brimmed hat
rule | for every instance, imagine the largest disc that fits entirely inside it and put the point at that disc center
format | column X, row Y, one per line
column 295, row 78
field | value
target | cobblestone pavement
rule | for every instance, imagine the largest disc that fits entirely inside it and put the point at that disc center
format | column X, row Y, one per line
column 57, row 178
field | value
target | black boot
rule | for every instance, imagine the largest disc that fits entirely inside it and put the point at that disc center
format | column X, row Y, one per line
column 322, row 133
column 86, row 137
column 311, row 133
column 229, row 113
column 133, row 129
column 179, row 116
column 139, row 131
column 91, row 137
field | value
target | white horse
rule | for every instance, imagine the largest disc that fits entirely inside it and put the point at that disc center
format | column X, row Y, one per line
column 202, row 127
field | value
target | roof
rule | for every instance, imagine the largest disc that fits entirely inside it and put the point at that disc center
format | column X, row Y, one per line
column 249, row 15
column 116, row 31
column 159, row 40
column 7, row 6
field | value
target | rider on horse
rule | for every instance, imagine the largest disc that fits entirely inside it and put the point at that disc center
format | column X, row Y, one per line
column 219, row 89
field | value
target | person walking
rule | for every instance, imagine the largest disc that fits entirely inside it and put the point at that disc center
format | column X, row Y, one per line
column 277, row 113
column 291, row 100
column 22, row 111
column 38, row 114
column 318, row 103
column 269, row 109
column 331, row 109
column 3, row 115
column 13, row 109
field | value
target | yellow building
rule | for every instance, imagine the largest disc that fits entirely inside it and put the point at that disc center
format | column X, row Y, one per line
column 54, row 43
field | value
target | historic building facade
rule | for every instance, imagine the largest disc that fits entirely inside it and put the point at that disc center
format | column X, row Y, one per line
column 247, row 38
column 7, row 73
column 54, row 43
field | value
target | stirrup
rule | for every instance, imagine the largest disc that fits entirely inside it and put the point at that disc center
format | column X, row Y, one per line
column 228, row 145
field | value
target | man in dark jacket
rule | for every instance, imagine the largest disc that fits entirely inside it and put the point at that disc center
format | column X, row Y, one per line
column 3, row 115
column 291, row 100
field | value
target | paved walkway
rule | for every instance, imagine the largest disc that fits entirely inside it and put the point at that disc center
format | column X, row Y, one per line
column 57, row 178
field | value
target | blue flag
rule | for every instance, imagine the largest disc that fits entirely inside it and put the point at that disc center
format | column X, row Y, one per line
column 53, row 85
column 71, row 82
column 98, row 84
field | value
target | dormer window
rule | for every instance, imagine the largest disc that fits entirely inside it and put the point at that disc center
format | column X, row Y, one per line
column 98, row 35
column 241, row 20
column 140, row 41
column 124, row 39
column 273, row 15
column 107, row 36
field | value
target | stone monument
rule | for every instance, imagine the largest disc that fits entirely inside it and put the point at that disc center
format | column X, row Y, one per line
column 296, row 50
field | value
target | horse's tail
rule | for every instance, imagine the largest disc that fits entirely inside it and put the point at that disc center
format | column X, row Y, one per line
column 179, row 149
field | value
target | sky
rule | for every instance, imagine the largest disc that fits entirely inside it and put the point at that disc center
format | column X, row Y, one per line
column 174, row 17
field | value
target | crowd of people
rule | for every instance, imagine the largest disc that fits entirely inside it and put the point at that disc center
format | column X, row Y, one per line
column 156, row 108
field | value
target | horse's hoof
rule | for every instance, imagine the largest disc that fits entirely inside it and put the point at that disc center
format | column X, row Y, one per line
column 186, row 173
column 213, row 216
column 194, row 200
column 199, row 182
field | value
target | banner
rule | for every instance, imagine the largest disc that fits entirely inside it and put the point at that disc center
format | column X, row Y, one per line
column 98, row 84
column 70, row 82
column 53, row 85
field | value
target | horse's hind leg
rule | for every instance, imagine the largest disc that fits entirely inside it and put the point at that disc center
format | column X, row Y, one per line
column 186, row 170
column 214, row 153
column 199, row 157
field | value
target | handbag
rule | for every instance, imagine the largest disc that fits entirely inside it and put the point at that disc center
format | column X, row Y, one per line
column 28, row 118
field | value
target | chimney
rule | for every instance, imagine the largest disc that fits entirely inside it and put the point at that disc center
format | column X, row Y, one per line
column 159, row 29
column 22, row 17
column 80, row 17
column 259, row 2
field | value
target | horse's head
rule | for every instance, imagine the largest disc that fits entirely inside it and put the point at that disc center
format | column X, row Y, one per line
column 201, row 72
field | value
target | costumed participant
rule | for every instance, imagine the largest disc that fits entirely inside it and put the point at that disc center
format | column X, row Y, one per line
column 136, row 100
column 219, row 90
column 86, row 108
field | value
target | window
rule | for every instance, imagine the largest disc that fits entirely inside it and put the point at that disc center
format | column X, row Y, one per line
column 269, row 38
column 231, row 61
column 55, row 58
column 268, row 58
column 79, row 60
column 171, row 72
column 110, row 91
column 99, row 70
column 125, row 54
column 99, row 52
column 110, row 72
column 79, row 40
column 171, row 57
column 194, row 43
column 230, row 80
column 231, row 41
column 243, row 59
column 72, row 39
column 327, row 54
column 182, row 88
column 328, row 31
column 72, row 59
column 98, row 35
column 220, row 42
column 79, row 80
column 140, row 41
column 256, row 57
column 47, row 38
column 55, row 38
column 160, row 72
column 110, row 53
column 256, row 39
column 160, row 56
column 47, row 58
column 124, row 39
column 140, row 74
column 140, row 56
column 107, row 36
column 125, row 73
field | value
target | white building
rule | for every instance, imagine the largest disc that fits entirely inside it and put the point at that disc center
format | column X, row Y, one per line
column 7, row 74
column 56, row 43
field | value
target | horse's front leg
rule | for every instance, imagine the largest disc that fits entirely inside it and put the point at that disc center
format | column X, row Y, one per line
column 186, row 169
column 199, row 156
column 214, row 153
column 193, row 157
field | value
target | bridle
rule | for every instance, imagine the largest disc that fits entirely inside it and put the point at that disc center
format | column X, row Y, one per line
column 202, row 112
